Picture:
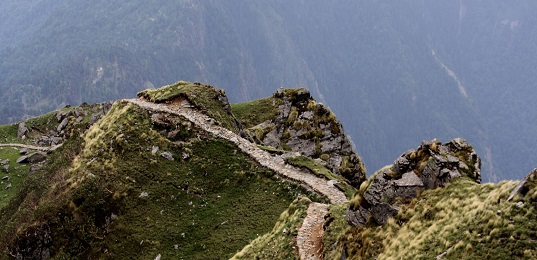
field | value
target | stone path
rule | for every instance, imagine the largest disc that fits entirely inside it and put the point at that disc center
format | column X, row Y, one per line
column 32, row 147
column 309, row 239
column 310, row 235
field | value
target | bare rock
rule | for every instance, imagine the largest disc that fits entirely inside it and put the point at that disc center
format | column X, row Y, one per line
column 167, row 155
column 60, row 116
column 432, row 165
column 409, row 179
column 62, row 125
column 4, row 162
column 154, row 149
column 5, row 168
column 32, row 158
column 523, row 187
column 94, row 118
column 22, row 130
column 9, row 186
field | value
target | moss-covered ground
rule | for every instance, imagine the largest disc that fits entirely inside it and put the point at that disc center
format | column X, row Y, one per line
column 280, row 243
column 15, row 175
column 105, row 195
column 8, row 133
column 463, row 220
column 257, row 111
column 322, row 172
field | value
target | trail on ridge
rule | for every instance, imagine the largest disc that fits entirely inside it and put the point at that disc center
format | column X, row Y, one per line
column 309, row 238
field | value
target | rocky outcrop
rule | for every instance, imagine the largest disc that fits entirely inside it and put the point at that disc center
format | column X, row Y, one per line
column 525, row 185
column 305, row 126
column 432, row 165
column 22, row 130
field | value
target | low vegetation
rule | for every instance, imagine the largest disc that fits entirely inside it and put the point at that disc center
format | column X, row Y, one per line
column 106, row 195
column 16, row 173
column 322, row 172
column 461, row 220
column 256, row 112
column 280, row 243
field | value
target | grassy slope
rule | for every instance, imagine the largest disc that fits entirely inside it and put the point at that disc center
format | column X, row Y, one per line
column 37, row 127
column 17, row 173
column 206, row 207
column 257, row 111
column 464, row 218
column 280, row 243
column 322, row 172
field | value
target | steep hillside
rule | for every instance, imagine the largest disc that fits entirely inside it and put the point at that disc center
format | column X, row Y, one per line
column 176, row 174
column 436, row 209
column 147, row 179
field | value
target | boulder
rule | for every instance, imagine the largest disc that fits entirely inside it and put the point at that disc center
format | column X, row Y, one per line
column 33, row 158
column 167, row 155
column 4, row 162
column 60, row 116
column 22, row 130
column 5, row 168
column 55, row 140
column 62, row 125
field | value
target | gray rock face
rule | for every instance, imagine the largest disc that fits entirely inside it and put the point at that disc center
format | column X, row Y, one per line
column 432, row 165
column 310, row 128
column 22, row 130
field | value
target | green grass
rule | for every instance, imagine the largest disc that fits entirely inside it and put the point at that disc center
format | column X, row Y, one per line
column 335, row 225
column 280, row 243
column 323, row 172
column 17, row 174
column 471, row 220
column 206, row 207
column 256, row 112
column 8, row 133
column 271, row 149
column 203, row 97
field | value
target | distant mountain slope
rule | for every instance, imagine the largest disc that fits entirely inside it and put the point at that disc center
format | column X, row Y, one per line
column 394, row 73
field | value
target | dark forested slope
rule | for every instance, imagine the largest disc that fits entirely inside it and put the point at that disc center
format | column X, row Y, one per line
column 394, row 73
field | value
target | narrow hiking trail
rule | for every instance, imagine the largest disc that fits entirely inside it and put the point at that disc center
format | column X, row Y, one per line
column 309, row 238
column 310, row 235
column 32, row 147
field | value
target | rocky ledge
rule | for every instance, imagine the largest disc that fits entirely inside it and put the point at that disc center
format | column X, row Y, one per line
column 432, row 165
